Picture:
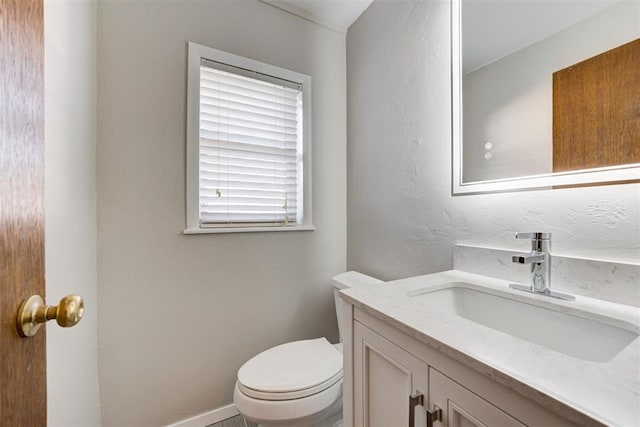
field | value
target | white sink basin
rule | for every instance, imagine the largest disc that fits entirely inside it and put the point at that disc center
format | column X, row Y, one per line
column 544, row 324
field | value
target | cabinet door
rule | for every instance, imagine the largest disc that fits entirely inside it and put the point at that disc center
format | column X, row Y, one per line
column 462, row 408
column 385, row 376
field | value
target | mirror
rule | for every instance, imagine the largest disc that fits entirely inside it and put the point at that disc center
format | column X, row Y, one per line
column 544, row 93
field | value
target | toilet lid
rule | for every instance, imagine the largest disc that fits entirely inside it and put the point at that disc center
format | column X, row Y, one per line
column 291, row 370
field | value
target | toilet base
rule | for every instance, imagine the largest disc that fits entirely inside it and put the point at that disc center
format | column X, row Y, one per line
column 329, row 417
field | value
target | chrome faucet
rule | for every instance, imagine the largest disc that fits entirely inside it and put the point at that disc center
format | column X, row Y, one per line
column 540, row 260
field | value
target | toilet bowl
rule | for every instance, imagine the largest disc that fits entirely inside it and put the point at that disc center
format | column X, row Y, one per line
column 298, row 383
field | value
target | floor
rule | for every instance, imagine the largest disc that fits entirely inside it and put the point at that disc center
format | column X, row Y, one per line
column 236, row 421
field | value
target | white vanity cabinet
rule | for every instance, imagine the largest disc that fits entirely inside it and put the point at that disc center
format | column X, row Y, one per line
column 385, row 367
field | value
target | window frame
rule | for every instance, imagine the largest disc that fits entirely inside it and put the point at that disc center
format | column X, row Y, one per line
column 196, row 52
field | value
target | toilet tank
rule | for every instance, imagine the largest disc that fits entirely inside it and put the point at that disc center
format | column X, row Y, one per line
column 350, row 279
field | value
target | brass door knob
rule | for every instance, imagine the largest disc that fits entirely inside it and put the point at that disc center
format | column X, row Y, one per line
column 33, row 313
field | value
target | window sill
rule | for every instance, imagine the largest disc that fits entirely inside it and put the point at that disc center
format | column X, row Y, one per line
column 221, row 230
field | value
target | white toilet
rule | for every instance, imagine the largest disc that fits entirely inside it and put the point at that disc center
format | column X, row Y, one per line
column 298, row 383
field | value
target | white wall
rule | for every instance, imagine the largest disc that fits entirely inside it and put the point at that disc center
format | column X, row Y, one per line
column 509, row 102
column 402, row 219
column 180, row 314
column 70, row 208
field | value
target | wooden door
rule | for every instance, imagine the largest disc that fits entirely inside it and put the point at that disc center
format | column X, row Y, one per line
column 23, row 375
column 385, row 376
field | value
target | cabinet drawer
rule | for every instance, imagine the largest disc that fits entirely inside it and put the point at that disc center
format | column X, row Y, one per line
column 462, row 408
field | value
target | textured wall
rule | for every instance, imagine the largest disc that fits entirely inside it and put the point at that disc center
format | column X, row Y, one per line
column 70, row 208
column 180, row 314
column 402, row 219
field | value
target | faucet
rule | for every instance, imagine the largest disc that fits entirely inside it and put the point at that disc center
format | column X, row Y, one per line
column 540, row 260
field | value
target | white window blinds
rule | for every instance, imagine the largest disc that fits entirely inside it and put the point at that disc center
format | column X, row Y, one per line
column 250, row 151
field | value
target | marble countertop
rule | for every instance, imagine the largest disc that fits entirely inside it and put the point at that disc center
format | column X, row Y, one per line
column 608, row 392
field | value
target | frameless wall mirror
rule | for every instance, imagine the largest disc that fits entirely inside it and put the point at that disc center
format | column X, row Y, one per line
column 546, row 93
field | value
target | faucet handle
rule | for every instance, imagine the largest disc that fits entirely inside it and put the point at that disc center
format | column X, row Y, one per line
column 534, row 236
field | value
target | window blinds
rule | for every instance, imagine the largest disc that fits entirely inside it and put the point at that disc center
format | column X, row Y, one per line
column 250, row 148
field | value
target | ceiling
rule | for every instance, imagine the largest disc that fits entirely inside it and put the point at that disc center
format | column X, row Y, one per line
column 335, row 14
column 492, row 28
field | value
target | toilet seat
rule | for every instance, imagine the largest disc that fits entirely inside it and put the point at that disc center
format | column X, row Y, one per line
column 291, row 395
column 291, row 371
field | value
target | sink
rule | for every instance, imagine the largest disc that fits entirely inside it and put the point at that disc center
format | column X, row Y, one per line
column 556, row 329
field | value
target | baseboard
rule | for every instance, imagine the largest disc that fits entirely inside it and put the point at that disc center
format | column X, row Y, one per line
column 208, row 418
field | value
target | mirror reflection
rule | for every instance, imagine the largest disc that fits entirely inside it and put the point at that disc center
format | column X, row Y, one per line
column 549, row 86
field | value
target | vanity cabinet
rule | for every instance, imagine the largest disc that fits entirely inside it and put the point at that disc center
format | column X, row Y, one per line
column 385, row 368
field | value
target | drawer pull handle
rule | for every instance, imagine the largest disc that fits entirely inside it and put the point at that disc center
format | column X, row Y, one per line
column 433, row 416
column 414, row 400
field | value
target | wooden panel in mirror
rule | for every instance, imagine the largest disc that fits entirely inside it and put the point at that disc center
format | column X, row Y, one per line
column 596, row 111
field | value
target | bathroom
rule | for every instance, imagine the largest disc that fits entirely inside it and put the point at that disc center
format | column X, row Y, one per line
column 170, row 317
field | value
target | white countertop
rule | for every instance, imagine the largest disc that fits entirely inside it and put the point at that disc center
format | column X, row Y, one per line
column 608, row 392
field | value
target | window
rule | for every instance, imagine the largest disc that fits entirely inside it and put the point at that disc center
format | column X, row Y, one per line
column 248, row 145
